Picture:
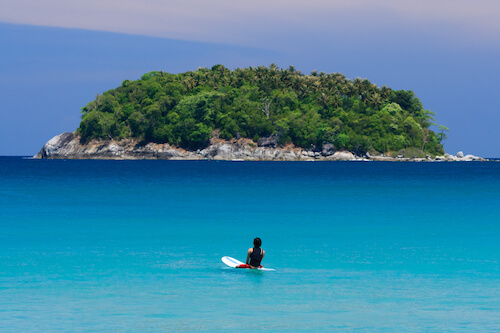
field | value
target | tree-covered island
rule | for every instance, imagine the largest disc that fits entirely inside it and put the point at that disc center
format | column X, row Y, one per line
column 187, row 110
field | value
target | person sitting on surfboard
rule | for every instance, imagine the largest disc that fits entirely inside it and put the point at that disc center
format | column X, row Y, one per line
column 255, row 254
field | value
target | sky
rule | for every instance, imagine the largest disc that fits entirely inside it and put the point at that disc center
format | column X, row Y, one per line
column 56, row 55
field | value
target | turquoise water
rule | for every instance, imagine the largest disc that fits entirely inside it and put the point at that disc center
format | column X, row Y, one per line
column 135, row 246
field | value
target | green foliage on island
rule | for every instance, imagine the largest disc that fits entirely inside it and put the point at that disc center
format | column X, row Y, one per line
column 188, row 109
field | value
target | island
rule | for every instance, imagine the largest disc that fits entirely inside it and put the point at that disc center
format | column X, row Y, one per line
column 261, row 113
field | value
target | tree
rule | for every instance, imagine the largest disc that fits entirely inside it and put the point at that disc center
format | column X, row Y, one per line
column 90, row 127
column 266, row 107
column 342, row 140
column 375, row 100
column 186, row 109
column 425, row 137
column 324, row 99
column 414, row 131
column 442, row 135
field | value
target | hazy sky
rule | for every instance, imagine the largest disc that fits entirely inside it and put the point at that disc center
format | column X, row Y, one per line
column 57, row 54
column 251, row 22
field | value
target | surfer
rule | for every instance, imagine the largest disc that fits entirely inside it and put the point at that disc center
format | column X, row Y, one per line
column 255, row 254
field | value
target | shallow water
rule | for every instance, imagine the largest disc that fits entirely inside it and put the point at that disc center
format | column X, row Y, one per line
column 135, row 246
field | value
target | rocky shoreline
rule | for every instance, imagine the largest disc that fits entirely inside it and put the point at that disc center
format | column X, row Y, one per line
column 67, row 146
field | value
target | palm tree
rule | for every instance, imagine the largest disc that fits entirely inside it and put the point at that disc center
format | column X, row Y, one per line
column 224, row 70
column 366, row 85
column 336, row 101
column 297, row 83
column 347, row 88
column 275, row 81
column 323, row 78
column 198, row 78
column 364, row 95
column 285, row 77
column 189, row 83
column 356, row 87
column 316, row 85
column 260, row 71
column 385, row 92
column 375, row 100
column 303, row 90
column 324, row 99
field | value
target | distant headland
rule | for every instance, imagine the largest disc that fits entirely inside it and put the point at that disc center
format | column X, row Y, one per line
column 261, row 113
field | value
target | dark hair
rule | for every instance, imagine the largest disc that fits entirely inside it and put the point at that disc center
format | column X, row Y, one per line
column 257, row 242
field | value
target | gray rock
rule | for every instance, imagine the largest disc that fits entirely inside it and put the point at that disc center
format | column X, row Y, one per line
column 343, row 156
column 268, row 154
column 460, row 154
column 68, row 146
column 167, row 154
column 115, row 149
column 59, row 145
column 472, row 158
column 224, row 152
column 270, row 141
column 209, row 152
column 289, row 155
column 328, row 149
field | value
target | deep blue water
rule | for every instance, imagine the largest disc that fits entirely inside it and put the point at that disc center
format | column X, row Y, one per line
column 135, row 246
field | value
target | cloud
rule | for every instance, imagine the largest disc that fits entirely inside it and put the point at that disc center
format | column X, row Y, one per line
column 259, row 22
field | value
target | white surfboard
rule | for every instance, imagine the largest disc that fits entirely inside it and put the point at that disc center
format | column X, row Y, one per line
column 234, row 263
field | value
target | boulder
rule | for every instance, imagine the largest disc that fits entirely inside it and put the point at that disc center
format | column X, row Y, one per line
column 209, row 152
column 167, row 154
column 460, row 154
column 289, row 155
column 343, row 156
column 224, row 152
column 472, row 158
column 60, row 145
column 115, row 149
column 270, row 141
column 450, row 157
column 328, row 149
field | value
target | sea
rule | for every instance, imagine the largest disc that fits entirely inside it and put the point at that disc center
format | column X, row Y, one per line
column 136, row 246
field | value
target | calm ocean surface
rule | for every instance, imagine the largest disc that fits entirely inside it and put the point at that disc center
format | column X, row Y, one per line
column 135, row 246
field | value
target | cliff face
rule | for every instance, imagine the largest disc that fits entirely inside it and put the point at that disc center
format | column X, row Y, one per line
column 68, row 146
